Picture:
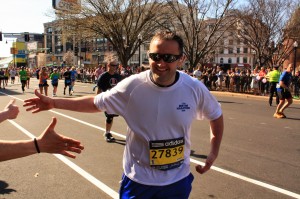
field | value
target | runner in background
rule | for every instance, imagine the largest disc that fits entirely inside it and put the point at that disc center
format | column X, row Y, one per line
column 23, row 78
column 2, row 81
column 6, row 76
column 106, row 81
column 73, row 78
column 43, row 84
column 284, row 93
column 28, row 77
column 68, row 83
column 54, row 81
column 12, row 74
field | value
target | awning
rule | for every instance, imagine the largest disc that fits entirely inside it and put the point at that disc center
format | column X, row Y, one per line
column 52, row 64
column 5, row 62
column 245, row 65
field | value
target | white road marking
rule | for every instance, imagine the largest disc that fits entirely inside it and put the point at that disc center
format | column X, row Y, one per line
column 256, row 182
column 105, row 188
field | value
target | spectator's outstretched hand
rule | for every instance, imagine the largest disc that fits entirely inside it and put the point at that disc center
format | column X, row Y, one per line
column 51, row 142
column 39, row 103
column 11, row 109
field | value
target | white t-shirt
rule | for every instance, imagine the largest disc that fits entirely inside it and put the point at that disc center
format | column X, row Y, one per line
column 156, row 115
column 12, row 73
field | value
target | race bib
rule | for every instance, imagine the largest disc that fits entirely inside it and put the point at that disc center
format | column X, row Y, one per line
column 166, row 154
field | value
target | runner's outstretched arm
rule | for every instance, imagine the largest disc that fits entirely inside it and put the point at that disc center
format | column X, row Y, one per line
column 42, row 103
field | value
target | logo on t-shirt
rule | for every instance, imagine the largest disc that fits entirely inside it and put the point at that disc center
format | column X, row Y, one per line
column 113, row 82
column 183, row 107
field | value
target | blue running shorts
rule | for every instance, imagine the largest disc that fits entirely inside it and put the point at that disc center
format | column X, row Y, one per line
column 177, row 190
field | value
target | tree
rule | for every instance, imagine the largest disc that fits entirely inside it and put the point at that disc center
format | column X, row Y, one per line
column 262, row 26
column 69, row 58
column 293, row 26
column 201, row 24
column 118, row 21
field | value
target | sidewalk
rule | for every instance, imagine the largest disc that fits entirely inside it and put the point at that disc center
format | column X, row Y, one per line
column 247, row 95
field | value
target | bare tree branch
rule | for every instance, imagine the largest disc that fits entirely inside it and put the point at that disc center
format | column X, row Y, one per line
column 120, row 22
column 202, row 24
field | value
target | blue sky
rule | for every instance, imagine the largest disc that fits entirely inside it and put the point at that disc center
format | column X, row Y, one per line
column 18, row 16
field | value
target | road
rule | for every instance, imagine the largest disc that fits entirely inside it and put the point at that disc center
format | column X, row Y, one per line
column 259, row 155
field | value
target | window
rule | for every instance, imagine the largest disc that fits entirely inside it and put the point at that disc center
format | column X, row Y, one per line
column 221, row 50
column 146, row 47
column 221, row 42
column 245, row 59
column 238, row 50
column 238, row 60
column 221, row 60
column 229, row 60
column 230, row 50
column 245, row 50
column 135, row 58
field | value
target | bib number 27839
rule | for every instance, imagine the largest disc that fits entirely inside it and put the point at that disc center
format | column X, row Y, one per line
column 166, row 154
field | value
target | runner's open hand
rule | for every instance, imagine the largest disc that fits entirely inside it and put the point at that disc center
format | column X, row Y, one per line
column 39, row 103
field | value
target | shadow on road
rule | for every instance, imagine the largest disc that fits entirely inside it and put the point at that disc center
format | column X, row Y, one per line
column 121, row 142
column 227, row 102
column 198, row 155
column 291, row 118
column 4, row 188
column 291, row 107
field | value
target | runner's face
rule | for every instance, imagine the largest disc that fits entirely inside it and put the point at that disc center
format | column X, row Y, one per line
column 289, row 68
column 164, row 73
column 113, row 67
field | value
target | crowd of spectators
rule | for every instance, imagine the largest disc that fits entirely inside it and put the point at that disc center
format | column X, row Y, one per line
column 238, row 79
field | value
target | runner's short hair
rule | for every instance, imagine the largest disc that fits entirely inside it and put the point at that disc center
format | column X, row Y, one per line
column 167, row 35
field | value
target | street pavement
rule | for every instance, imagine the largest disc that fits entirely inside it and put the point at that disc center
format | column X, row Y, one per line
column 259, row 155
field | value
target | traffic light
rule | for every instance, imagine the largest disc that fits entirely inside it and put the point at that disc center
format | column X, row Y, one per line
column 76, row 51
column 26, row 36
column 0, row 36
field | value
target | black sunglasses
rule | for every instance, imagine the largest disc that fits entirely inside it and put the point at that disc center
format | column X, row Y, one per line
column 168, row 58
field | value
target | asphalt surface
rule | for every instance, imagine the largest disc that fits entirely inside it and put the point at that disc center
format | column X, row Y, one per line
column 259, row 156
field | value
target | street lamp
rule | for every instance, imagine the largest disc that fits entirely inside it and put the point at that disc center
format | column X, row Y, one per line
column 140, row 37
column 253, row 59
column 295, row 44
column 98, row 55
column 295, row 55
